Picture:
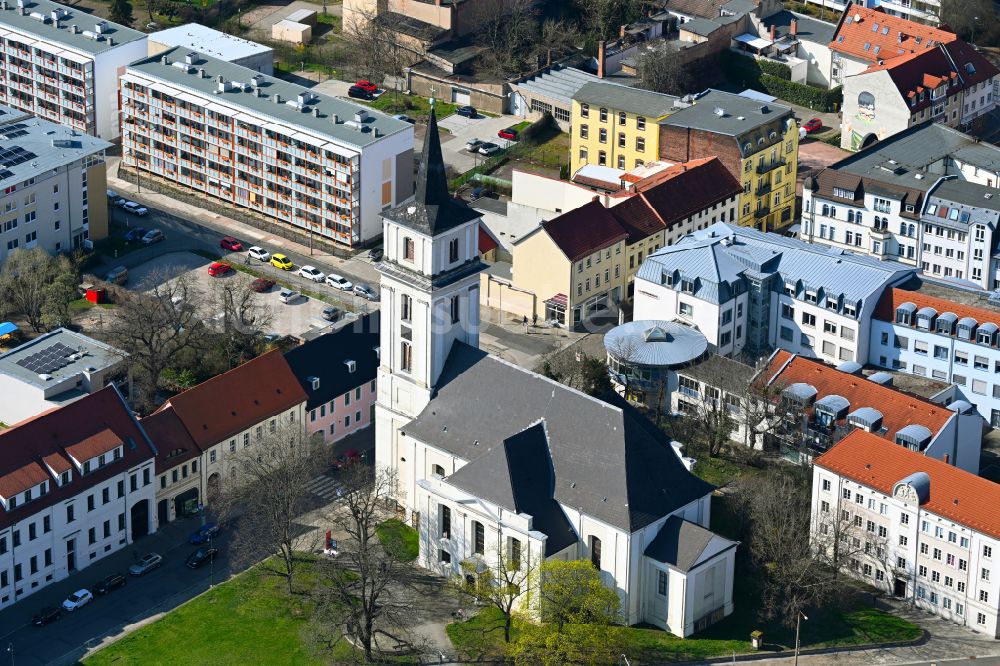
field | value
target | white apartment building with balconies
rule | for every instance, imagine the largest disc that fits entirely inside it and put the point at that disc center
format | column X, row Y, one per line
column 62, row 64
column 318, row 163
column 918, row 528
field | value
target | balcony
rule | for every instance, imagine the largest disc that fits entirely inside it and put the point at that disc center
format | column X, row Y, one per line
column 770, row 166
column 762, row 212
column 762, row 190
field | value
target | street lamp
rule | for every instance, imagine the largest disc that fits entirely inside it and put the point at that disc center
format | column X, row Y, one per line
column 10, row 649
column 972, row 37
column 211, row 561
column 798, row 619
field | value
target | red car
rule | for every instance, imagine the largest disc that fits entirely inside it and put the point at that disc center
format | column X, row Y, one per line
column 261, row 285
column 367, row 85
column 508, row 133
column 230, row 243
column 347, row 459
column 218, row 269
column 813, row 125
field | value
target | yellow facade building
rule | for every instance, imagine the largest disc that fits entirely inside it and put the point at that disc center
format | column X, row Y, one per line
column 616, row 126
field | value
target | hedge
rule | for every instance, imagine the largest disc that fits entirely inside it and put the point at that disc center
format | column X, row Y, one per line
column 774, row 79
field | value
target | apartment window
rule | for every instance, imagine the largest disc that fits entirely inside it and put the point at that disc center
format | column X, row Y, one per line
column 70, row 517
column 980, row 618
column 585, row 110
column 640, row 144
column 456, row 304
column 604, row 115
column 584, row 132
column 621, row 140
column 595, row 551
column 479, row 538
column 453, row 250
column 984, row 596
column 602, row 135
column 808, row 319
column 514, row 552
column 408, row 249
column 987, row 551
column 640, row 123
column 405, row 307
column 446, row 522
column 405, row 356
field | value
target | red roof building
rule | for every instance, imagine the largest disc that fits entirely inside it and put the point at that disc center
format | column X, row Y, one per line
column 871, row 35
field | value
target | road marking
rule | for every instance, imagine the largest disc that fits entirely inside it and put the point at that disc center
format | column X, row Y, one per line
column 324, row 487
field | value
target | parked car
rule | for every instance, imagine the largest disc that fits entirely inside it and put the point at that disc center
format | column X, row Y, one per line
column 200, row 557
column 405, row 118
column 510, row 134
column 359, row 93
column 282, row 262
column 332, row 313
column 260, row 285
column 230, row 243
column 113, row 196
column 110, row 584
column 365, row 291
column 489, row 149
column 289, row 296
column 153, row 236
column 472, row 145
column 218, row 269
column 375, row 254
column 148, row 562
column 259, row 253
column 339, row 281
column 204, row 533
column 135, row 209
column 117, row 275
column 364, row 84
column 812, row 125
column 347, row 459
column 47, row 615
column 479, row 191
column 77, row 600
column 467, row 111
column 311, row 273
column 134, row 235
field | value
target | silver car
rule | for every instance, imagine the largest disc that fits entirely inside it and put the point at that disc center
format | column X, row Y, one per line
column 148, row 562
column 364, row 291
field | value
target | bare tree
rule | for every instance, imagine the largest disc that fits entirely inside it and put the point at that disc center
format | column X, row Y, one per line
column 153, row 326
column 603, row 17
column 356, row 599
column 32, row 281
column 376, row 51
column 662, row 69
column 624, row 351
column 500, row 578
column 241, row 315
column 508, row 32
column 264, row 492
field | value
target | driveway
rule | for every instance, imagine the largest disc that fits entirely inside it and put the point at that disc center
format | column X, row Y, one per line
column 814, row 156
column 460, row 129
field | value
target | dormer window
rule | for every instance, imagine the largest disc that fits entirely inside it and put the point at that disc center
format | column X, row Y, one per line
column 687, row 286
column 64, row 478
column 101, row 459
column 86, row 467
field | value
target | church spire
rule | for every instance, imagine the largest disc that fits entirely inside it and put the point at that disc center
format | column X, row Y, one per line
column 434, row 210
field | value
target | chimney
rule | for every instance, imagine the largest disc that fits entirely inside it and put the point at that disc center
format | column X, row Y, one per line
column 548, row 58
column 600, row 59
column 163, row 59
column 75, row 29
column 946, row 458
column 621, row 32
column 794, row 27
column 774, row 32
column 336, row 118
column 316, row 112
column 111, row 41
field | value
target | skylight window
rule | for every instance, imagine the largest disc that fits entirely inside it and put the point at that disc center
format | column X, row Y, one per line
column 877, row 48
column 868, row 45
column 885, row 30
column 875, row 27
column 970, row 68
column 918, row 40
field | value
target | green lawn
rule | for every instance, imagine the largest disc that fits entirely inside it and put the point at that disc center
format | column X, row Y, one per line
column 521, row 125
column 720, row 471
column 82, row 304
column 414, row 106
column 396, row 532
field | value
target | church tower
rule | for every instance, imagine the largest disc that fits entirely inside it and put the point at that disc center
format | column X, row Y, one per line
column 429, row 299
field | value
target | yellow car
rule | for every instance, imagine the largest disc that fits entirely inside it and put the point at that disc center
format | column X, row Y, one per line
column 282, row 262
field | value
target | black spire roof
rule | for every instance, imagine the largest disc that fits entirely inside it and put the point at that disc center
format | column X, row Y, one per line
column 434, row 211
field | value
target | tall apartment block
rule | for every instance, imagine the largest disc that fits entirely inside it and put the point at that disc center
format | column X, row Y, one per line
column 319, row 163
column 52, row 186
column 62, row 64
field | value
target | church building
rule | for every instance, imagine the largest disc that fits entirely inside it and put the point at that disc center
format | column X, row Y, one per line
column 495, row 463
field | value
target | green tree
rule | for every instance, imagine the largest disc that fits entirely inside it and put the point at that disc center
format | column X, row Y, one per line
column 501, row 579
column 594, row 375
column 583, row 644
column 26, row 281
column 121, row 12
column 572, row 592
column 60, row 292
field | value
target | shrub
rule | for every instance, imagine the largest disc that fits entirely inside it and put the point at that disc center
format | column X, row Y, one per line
column 774, row 78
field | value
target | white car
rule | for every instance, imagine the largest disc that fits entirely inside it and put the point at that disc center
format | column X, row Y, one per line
column 135, row 209
column 78, row 599
column 311, row 273
column 339, row 281
column 472, row 145
column 259, row 253
column 288, row 296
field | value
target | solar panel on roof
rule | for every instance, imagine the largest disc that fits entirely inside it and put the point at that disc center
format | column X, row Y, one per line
column 48, row 360
column 15, row 155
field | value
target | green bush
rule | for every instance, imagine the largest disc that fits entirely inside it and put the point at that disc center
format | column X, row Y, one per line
column 774, row 78
column 779, row 69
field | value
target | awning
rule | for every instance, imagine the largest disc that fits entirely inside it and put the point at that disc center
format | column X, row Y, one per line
column 753, row 40
column 558, row 301
column 486, row 242
column 6, row 328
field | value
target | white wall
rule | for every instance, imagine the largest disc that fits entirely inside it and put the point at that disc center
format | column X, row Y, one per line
column 373, row 157
column 107, row 67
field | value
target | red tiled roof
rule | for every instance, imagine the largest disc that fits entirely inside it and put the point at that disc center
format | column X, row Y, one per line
column 893, row 298
column 894, row 37
column 584, row 230
column 236, row 400
column 82, row 423
column 898, row 409
column 486, row 240
column 173, row 443
column 955, row 494
column 93, row 446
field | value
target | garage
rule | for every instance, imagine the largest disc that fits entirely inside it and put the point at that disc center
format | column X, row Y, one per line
column 461, row 95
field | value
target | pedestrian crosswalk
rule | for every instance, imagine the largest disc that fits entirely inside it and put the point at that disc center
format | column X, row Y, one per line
column 324, row 486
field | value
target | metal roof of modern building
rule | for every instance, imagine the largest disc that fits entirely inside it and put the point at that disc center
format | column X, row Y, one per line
column 287, row 112
column 31, row 147
column 208, row 41
column 58, row 354
column 727, row 113
column 655, row 343
column 10, row 115
column 624, row 98
column 558, row 83
column 60, row 32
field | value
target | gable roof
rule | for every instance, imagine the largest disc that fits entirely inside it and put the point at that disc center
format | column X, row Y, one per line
column 873, row 35
column 230, row 403
column 684, row 189
column 609, row 461
column 681, row 544
column 898, row 409
column 174, row 444
column 325, row 359
column 700, row 8
column 807, row 28
column 954, row 494
column 86, row 427
column 518, row 475
column 625, row 98
column 583, row 230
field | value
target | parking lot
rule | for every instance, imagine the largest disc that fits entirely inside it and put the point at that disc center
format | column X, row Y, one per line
column 460, row 129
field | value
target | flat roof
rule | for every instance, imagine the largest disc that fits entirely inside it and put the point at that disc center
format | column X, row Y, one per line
column 61, row 32
column 61, row 354
column 33, row 146
column 10, row 115
column 738, row 116
column 619, row 97
column 265, row 105
column 210, row 42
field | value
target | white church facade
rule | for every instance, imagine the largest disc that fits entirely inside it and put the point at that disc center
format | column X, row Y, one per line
column 494, row 462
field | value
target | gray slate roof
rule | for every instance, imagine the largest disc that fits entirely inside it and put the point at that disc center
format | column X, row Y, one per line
column 702, row 114
column 701, row 26
column 9, row 115
column 681, row 543
column 609, row 461
column 977, row 204
column 624, row 98
column 807, row 28
column 518, row 476
column 282, row 113
column 51, row 145
column 60, row 33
